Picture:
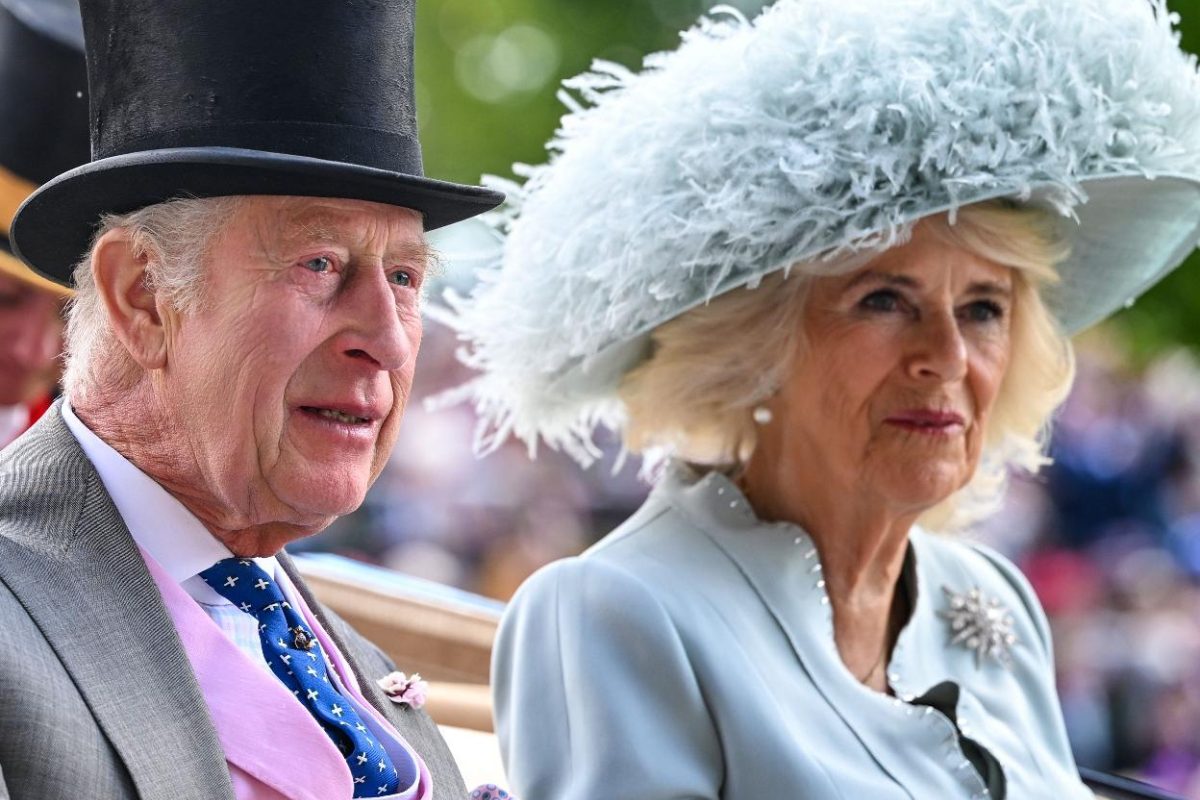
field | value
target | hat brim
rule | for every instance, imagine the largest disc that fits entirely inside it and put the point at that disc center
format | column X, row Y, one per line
column 55, row 225
column 1131, row 232
column 1128, row 235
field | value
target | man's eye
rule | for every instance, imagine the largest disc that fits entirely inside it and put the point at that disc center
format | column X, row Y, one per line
column 402, row 278
column 882, row 300
column 318, row 264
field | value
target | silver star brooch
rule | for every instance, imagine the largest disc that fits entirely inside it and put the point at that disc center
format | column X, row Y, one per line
column 980, row 624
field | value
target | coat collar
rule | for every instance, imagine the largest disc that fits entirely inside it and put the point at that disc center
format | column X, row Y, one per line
column 781, row 564
column 66, row 554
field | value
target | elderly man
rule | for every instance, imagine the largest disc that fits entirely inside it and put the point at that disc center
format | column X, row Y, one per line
column 239, row 355
column 44, row 108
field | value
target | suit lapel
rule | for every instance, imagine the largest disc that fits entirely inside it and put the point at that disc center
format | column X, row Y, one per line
column 66, row 554
column 369, row 665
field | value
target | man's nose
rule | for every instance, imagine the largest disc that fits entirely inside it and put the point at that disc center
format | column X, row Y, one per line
column 376, row 329
column 938, row 350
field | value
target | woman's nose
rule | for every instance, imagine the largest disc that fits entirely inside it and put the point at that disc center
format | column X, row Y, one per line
column 938, row 350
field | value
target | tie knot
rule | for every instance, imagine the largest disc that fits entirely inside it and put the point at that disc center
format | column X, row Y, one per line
column 245, row 584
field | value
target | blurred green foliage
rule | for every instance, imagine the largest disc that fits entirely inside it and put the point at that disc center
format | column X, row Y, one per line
column 488, row 72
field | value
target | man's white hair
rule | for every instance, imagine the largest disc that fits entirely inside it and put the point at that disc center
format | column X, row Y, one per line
column 174, row 237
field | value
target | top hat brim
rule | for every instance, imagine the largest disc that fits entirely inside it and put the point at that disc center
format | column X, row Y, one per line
column 54, row 227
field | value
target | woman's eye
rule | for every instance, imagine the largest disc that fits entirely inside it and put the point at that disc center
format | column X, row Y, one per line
column 882, row 300
column 318, row 264
column 402, row 278
column 983, row 311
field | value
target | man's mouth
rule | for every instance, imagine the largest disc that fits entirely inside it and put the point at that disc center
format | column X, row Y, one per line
column 335, row 416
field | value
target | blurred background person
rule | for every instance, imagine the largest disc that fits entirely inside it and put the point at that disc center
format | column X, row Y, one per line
column 43, row 131
column 30, row 343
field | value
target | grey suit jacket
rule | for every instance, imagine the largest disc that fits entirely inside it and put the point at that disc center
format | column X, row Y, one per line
column 691, row 656
column 97, row 697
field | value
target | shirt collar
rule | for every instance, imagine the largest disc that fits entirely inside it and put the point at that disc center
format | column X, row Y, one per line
column 158, row 522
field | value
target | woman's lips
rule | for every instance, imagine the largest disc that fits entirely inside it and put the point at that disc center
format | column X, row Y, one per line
column 928, row 421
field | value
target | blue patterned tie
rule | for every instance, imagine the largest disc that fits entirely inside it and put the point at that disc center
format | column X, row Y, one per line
column 296, row 658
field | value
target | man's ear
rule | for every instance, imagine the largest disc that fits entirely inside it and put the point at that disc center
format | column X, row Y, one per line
column 120, row 276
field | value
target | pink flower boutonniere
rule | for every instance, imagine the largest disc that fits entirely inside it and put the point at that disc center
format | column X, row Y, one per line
column 403, row 689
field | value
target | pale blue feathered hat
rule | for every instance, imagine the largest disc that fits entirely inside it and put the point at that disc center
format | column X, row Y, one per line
column 825, row 127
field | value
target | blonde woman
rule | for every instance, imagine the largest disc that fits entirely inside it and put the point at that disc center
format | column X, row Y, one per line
column 827, row 263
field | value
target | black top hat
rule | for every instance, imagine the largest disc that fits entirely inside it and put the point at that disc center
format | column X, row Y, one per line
column 205, row 98
column 43, row 107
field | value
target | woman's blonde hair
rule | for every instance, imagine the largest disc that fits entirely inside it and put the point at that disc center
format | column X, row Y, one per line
column 693, row 398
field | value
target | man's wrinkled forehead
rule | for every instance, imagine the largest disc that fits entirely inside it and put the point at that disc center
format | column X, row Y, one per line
column 294, row 223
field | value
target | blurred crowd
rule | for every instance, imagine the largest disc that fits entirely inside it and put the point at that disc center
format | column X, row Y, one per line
column 1109, row 535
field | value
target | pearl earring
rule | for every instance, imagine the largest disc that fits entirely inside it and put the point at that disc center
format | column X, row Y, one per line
column 762, row 415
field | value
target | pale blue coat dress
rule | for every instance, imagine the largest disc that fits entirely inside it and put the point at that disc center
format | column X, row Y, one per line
column 690, row 654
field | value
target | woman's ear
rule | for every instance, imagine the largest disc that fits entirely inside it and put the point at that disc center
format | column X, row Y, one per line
column 120, row 276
